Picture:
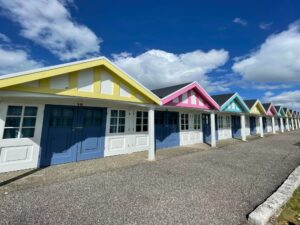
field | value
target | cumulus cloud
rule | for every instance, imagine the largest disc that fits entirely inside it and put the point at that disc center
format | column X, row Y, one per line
column 277, row 59
column 49, row 24
column 16, row 60
column 157, row 68
column 265, row 26
column 290, row 99
column 240, row 21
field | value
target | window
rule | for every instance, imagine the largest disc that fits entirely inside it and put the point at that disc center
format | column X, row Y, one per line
column 20, row 122
column 184, row 121
column 141, row 121
column 117, row 121
column 227, row 124
column 220, row 122
column 197, row 121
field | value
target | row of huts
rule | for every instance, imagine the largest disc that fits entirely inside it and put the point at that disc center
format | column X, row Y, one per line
column 90, row 109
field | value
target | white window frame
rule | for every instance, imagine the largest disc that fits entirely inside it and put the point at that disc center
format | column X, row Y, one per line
column 117, row 124
column 197, row 121
column 184, row 121
column 22, row 116
column 142, row 121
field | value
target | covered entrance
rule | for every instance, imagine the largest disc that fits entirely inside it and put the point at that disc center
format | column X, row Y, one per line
column 72, row 133
column 166, row 129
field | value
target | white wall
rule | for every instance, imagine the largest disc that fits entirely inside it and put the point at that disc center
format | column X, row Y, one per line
column 190, row 136
column 20, row 153
column 225, row 132
column 128, row 142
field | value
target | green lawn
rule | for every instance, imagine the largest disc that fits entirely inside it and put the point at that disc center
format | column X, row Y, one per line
column 290, row 214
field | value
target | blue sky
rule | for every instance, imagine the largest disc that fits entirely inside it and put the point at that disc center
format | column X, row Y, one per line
column 252, row 47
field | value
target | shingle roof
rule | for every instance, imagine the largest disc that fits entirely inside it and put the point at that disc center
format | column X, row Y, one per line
column 250, row 102
column 221, row 99
column 163, row 92
column 277, row 107
column 266, row 106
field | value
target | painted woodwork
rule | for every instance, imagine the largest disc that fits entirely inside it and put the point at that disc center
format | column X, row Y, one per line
column 98, row 79
column 191, row 96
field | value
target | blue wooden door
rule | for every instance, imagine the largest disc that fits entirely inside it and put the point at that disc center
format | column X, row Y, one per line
column 72, row 133
column 236, row 126
column 265, row 124
column 206, row 128
column 91, row 132
column 166, row 129
column 252, row 125
column 279, row 124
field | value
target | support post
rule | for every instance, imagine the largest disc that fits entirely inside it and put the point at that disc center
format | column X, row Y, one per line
column 273, row 125
column 213, row 129
column 281, row 125
column 151, row 124
column 243, row 127
column 288, row 124
column 292, row 121
column 261, row 126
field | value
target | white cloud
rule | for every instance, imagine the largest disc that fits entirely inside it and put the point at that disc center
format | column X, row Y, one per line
column 16, row 60
column 265, row 26
column 157, row 68
column 277, row 59
column 240, row 21
column 290, row 99
column 4, row 38
column 49, row 24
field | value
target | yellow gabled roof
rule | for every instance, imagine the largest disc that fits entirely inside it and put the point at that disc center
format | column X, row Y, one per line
column 258, row 104
column 51, row 71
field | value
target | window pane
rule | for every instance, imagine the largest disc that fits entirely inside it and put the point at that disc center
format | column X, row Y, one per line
column 14, row 110
column 67, row 122
column 10, row 133
column 12, row 121
column 121, row 121
column 121, row 129
column 145, row 121
column 138, row 121
column 113, row 121
column 30, row 111
column 121, row 113
column 138, row 113
column 138, row 128
column 113, row 129
column 27, row 132
column 145, row 114
column 29, row 122
column 145, row 128
column 114, row 113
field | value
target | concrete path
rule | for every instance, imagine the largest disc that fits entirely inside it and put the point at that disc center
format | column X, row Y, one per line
column 219, row 186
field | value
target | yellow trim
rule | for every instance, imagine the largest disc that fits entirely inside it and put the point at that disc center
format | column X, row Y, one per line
column 258, row 109
column 14, row 81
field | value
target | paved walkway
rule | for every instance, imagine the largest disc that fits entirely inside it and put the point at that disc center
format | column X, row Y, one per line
column 219, row 186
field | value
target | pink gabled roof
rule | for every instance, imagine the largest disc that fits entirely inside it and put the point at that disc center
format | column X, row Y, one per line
column 272, row 110
column 195, row 86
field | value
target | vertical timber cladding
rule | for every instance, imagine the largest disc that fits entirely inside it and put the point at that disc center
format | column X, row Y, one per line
column 73, row 133
column 166, row 129
column 185, row 100
column 257, row 110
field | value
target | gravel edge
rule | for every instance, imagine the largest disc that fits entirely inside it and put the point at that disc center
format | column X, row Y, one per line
column 262, row 214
